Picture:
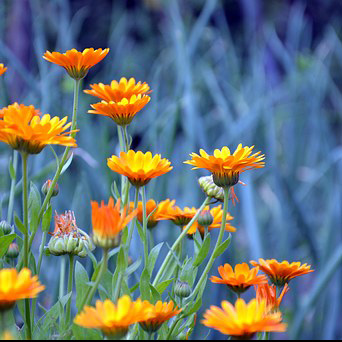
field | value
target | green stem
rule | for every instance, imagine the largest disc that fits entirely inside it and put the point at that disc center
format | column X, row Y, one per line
column 41, row 252
column 99, row 277
column 218, row 242
column 177, row 242
column 145, row 240
column 2, row 324
column 61, row 286
column 70, row 282
column 12, row 191
column 133, row 224
column 118, row 287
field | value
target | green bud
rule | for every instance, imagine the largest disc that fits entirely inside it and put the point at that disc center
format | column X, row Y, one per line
column 210, row 188
column 205, row 218
column 46, row 187
column 182, row 289
column 6, row 227
column 13, row 251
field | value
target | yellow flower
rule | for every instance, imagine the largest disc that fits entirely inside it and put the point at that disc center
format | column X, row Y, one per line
column 23, row 129
column 116, row 91
column 114, row 319
column 15, row 286
column 76, row 63
column 122, row 112
column 226, row 167
column 243, row 320
column 269, row 293
column 160, row 313
column 138, row 167
column 7, row 336
column 108, row 221
column 151, row 206
column 240, row 279
column 281, row 273
column 3, row 69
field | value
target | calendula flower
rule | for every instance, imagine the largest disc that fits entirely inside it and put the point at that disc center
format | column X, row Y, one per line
column 138, row 167
column 269, row 293
column 180, row 217
column 281, row 273
column 160, row 313
column 116, row 91
column 15, row 286
column 3, row 69
column 76, row 63
column 114, row 319
column 108, row 221
column 157, row 210
column 24, row 130
column 243, row 320
column 226, row 167
column 240, row 279
column 7, row 336
column 122, row 112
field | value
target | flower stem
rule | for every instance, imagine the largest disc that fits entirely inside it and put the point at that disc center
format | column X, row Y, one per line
column 177, row 242
column 145, row 239
column 70, row 282
column 12, row 191
column 61, row 287
column 133, row 224
column 218, row 243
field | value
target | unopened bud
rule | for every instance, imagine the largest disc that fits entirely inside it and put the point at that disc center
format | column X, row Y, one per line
column 13, row 251
column 210, row 188
column 46, row 187
column 182, row 289
column 5, row 227
column 205, row 218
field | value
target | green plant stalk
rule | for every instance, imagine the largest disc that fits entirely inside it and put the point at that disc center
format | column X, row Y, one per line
column 99, row 277
column 41, row 252
column 12, row 190
column 218, row 242
column 177, row 242
column 145, row 240
column 61, row 286
column 70, row 282
column 133, row 224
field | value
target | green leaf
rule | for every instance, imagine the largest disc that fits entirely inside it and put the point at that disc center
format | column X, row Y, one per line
column 19, row 224
column 161, row 287
column 152, row 258
column 115, row 191
column 121, row 264
column 145, row 285
column 11, row 170
column 193, row 309
column 155, row 294
column 223, row 246
column 47, row 219
column 86, row 334
column 203, row 252
column 81, row 280
column 134, row 288
column 67, row 164
column 34, row 204
column 131, row 269
column 5, row 241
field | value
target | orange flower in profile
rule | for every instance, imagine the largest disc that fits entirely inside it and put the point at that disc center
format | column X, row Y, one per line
column 3, row 69
column 243, row 320
column 108, row 221
column 15, row 286
column 138, row 167
column 180, row 217
column 116, row 91
column 158, row 211
column 226, row 167
column 114, row 319
column 160, row 313
column 240, row 279
column 281, row 273
column 122, row 112
column 23, row 129
column 76, row 63
column 269, row 293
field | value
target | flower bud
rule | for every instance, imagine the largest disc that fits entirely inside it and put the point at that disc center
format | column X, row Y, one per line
column 182, row 289
column 13, row 251
column 5, row 227
column 46, row 187
column 205, row 218
column 208, row 186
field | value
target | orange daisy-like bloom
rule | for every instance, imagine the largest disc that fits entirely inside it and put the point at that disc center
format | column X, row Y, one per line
column 108, row 221
column 269, row 293
column 138, row 167
column 180, row 217
column 243, row 320
column 116, row 91
column 23, row 129
column 114, row 319
column 281, row 273
column 15, row 286
column 122, row 112
column 160, row 313
column 240, row 279
column 226, row 167
column 158, row 211
column 3, row 69
column 76, row 63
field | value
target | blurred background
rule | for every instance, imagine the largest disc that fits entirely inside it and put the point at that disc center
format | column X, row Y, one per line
column 223, row 72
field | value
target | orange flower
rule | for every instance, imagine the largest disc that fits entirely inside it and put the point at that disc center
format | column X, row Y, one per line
column 108, row 221
column 180, row 217
column 23, row 129
column 122, row 112
column 76, row 63
column 281, row 273
column 160, row 313
column 226, row 167
column 240, row 279
column 15, row 286
column 269, row 293
column 243, row 320
column 158, row 211
column 138, row 167
column 116, row 91
column 114, row 319
column 3, row 69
